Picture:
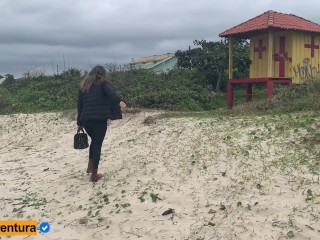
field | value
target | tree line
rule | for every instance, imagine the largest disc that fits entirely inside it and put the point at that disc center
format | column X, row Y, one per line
column 211, row 58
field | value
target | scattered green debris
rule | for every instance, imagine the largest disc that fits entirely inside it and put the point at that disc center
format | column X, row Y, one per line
column 290, row 234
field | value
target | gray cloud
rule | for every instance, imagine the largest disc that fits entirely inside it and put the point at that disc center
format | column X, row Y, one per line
column 82, row 33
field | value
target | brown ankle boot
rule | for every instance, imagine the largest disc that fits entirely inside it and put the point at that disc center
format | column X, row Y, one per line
column 95, row 176
column 89, row 169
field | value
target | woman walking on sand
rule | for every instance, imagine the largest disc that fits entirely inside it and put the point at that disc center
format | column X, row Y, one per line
column 97, row 102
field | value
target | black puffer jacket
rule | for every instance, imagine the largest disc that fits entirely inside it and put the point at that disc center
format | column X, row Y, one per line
column 101, row 102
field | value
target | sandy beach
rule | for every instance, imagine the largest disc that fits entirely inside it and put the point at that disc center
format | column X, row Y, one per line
column 225, row 177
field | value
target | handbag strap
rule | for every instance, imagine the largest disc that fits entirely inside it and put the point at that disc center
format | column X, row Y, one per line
column 79, row 130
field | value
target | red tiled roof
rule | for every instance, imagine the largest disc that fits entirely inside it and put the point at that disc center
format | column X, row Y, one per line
column 272, row 19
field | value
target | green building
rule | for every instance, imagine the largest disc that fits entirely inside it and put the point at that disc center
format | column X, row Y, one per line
column 157, row 63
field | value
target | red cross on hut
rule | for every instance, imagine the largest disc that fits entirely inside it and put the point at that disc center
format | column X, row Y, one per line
column 284, row 48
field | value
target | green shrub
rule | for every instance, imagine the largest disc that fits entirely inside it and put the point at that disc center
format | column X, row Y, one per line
column 178, row 90
column 5, row 100
column 44, row 93
column 288, row 99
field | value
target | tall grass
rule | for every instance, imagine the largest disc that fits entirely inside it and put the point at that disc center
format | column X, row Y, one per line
column 286, row 99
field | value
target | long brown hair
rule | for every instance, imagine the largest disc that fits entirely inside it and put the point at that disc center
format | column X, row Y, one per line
column 97, row 74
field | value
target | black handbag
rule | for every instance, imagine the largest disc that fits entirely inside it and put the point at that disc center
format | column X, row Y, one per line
column 80, row 140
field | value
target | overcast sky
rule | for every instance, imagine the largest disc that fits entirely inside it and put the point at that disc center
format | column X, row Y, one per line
column 82, row 33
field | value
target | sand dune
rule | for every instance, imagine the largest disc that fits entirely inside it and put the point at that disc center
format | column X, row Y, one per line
column 225, row 177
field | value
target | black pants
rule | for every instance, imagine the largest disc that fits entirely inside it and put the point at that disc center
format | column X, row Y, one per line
column 96, row 129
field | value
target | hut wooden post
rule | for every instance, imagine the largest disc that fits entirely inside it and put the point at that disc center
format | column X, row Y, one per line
column 270, row 65
column 230, row 59
column 230, row 86
column 230, row 95
column 270, row 54
column 248, row 92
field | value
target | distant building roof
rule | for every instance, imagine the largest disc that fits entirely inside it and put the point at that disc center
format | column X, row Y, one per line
column 153, row 58
column 157, row 63
column 271, row 19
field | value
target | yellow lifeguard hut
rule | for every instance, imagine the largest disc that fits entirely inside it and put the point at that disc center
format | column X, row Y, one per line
column 284, row 48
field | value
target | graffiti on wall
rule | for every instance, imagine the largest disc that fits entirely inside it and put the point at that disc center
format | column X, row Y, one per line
column 306, row 72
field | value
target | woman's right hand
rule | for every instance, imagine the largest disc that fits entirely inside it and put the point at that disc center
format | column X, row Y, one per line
column 122, row 105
